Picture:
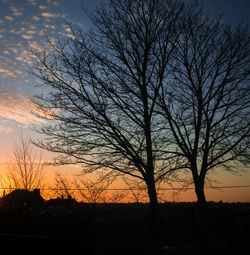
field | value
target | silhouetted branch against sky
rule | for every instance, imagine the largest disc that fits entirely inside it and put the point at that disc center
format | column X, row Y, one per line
column 153, row 87
column 26, row 167
column 104, row 87
column 206, row 102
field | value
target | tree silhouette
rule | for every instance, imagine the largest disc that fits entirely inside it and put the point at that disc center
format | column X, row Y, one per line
column 63, row 186
column 104, row 86
column 26, row 167
column 206, row 102
column 92, row 190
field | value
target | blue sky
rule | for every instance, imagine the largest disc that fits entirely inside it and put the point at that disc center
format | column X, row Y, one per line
column 24, row 25
column 234, row 11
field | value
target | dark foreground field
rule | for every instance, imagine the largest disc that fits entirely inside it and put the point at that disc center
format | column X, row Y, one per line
column 123, row 229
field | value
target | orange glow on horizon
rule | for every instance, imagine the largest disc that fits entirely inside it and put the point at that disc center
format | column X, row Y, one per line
column 237, row 194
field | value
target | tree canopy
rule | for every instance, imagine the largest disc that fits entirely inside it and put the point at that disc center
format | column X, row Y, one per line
column 155, row 87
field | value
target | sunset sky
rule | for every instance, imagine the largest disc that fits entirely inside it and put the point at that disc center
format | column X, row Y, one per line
column 24, row 24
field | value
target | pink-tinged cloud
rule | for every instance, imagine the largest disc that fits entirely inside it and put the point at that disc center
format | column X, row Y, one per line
column 9, row 18
column 30, row 32
column 33, row 2
column 6, row 73
column 35, row 46
column 42, row 7
column 14, row 9
column 48, row 15
column 27, row 36
column 35, row 18
column 17, row 109
column 17, row 13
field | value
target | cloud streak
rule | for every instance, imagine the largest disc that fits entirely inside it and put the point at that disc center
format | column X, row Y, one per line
column 9, row 18
column 27, row 36
column 18, row 109
column 49, row 15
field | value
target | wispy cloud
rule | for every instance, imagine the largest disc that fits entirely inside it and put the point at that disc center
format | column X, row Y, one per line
column 27, row 36
column 49, row 15
column 42, row 7
column 16, row 11
column 35, row 46
column 17, row 108
column 21, row 33
column 30, row 32
column 9, row 18
column 35, row 18
column 7, row 73
column 32, row 2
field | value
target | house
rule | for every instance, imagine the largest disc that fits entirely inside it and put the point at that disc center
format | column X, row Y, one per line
column 63, row 204
column 21, row 199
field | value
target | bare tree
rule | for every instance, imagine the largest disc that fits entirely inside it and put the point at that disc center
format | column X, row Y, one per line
column 63, row 186
column 136, row 188
column 206, row 101
column 26, row 168
column 104, row 87
column 114, row 196
column 92, row 190
column 89, row 189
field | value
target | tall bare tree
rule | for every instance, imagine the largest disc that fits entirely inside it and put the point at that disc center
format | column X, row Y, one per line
column 206, row 102
column 104, row 88
column 26, row 167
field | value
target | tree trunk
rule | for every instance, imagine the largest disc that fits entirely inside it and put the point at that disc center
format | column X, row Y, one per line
column 154, row 214
column 199, row 190
column 153, row 202
column 202, row 208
